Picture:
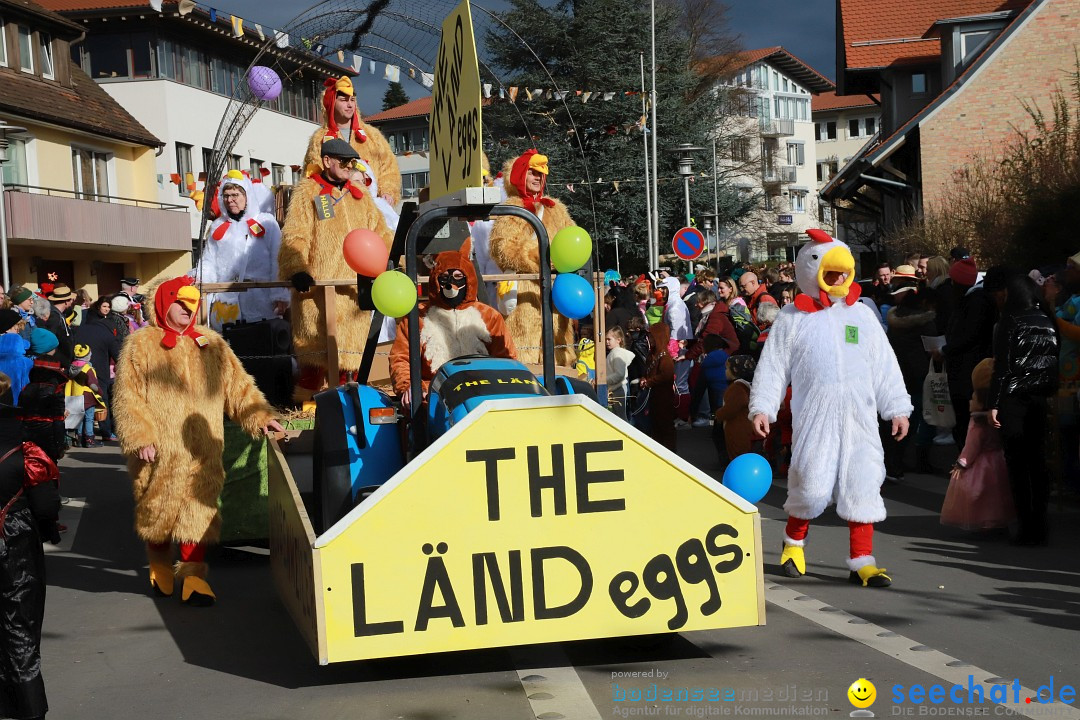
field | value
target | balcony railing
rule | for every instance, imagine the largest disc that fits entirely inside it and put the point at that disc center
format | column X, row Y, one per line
column 784, row 174
column 777, row 127
column 43, row 216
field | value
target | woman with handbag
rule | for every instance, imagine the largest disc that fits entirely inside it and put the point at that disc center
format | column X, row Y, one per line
column 29, row 505
column 1025, row 375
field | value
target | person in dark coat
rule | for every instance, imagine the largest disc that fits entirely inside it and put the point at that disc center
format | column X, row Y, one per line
column 99, row 333
column 1025, row 375
column 29, row 506
column 969, row 337
column 659, row 379
column 41, row 402
column 623, row 307
column 909, row 318
column 61, row 298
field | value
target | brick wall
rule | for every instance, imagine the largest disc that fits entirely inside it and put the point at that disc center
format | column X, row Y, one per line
column 978, row 120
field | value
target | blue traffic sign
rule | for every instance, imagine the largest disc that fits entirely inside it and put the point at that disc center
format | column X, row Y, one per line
column 688, row 243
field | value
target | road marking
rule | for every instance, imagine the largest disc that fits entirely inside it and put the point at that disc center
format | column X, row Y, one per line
column 555, row 693
column 70, row 514
column 910, row 652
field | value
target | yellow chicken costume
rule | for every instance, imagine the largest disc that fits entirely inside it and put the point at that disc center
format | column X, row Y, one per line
column 514, row 249
column 173, row 387
column 312, row 246
column 366, row 139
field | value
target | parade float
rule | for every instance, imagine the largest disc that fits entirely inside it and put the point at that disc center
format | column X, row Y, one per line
column 511, row 508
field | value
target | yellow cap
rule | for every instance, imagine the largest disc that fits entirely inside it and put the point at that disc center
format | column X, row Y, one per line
column 188, row 296
column 234, row 175
column 539, row 163
column 81, row 350
column 344, row 85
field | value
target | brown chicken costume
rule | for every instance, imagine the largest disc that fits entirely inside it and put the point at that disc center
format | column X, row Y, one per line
column 313, row 246
column 366, row 139
column 452, row 322
column 514, row 249
column 173, row 387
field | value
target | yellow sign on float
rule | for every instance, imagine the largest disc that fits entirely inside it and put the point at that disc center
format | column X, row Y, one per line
column 455, row 108
column 537, row 520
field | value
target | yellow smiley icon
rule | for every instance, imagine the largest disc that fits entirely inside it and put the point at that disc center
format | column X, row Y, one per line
column 862, row 693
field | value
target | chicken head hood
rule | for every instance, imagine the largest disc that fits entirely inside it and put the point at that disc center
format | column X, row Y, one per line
column 825, row 273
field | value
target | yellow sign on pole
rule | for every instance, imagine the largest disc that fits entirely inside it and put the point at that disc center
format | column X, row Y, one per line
column 537, row 521
column 455, row 108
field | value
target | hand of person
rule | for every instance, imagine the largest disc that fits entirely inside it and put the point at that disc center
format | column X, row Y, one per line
column 994, row 422
column 280, row 306
column 148, row 453
column 761, row 425
column 900, row 427
column 302, row 281
column 406, row 398
column 272, row 427
column 388, row 198
column 954, row 474
column 938, row 357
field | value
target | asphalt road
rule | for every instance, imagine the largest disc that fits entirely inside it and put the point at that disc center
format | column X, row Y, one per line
column 962, row 605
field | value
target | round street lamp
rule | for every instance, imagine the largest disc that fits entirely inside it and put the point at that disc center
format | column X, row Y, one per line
column 684, row 155
column 616, row 231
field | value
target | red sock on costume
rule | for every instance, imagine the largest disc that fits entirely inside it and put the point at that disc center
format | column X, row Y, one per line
column 189, row 552
column 861, row 539
column 797, row 528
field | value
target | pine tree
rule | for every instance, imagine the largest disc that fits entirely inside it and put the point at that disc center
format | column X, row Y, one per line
column 594, row 46
column 395, row 96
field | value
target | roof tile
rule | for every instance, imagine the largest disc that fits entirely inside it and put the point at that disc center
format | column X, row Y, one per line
column 414, row 108
column 831, row 101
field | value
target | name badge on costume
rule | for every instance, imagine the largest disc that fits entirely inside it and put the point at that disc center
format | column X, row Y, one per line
column 324, row 207
column 851, row 334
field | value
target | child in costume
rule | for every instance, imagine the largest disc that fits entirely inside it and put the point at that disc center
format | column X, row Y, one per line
column 738, row 433
column 84, row 385
column 979, row 495
column 843, row 374
column 175, row 382
column 41, row 402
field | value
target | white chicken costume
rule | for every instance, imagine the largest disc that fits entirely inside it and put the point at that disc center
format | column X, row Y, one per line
column 241, row 249
column 843, row 374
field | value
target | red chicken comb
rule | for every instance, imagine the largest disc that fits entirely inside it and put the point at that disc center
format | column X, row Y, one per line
column 818, row 235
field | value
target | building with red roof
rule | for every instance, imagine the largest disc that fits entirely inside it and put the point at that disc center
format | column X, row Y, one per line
column 954, row 77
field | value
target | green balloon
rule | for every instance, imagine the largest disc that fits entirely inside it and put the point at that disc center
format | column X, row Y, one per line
column 570, row 249
column 393, row 293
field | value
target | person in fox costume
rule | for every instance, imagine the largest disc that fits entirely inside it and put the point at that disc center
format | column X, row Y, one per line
column 833, row 352
column 175, row 381
column 452, row 323
column 341, row 120
column 513, row 247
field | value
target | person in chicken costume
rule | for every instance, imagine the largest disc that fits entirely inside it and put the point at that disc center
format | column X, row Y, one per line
column 311, row 249
column 242, row 246
column 452, row 323
column 341, row 120
column 175, row 381
column 514, row 249
column 833, row 352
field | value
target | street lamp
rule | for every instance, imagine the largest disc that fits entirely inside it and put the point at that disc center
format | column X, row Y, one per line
column 615, row 231
column 4, row 130
column 707, row 220
column 685, row 158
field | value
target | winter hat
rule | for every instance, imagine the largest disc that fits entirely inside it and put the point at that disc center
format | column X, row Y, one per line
column 82, row 351
column 20, row 296
column 120, row 304
column 963, row 272
column 42, row 341
column 8, row 319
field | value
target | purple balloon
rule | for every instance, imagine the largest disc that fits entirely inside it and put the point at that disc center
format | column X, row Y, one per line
column 264, row 82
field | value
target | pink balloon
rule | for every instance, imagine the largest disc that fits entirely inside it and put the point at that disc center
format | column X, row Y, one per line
column 365, row 252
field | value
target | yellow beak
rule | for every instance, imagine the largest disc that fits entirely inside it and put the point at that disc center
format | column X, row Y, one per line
column 838, row 260
column 188, row 296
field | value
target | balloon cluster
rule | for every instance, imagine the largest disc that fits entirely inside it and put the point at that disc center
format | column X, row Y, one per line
column 393, row 293
column 571, row 293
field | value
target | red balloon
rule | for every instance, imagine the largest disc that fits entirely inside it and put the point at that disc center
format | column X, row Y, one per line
column 365, row 252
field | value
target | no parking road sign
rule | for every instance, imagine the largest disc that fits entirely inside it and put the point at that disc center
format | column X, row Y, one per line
column 688, row 243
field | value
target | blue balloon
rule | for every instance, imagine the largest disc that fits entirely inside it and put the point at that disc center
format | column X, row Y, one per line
column 572, row 295
column 749, row 476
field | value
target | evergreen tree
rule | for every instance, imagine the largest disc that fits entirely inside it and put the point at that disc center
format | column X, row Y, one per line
column 394, row 96
column 594, row 46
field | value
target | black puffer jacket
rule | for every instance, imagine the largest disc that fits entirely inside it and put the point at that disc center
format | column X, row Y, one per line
column 906, row 330
column 1025, row 356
